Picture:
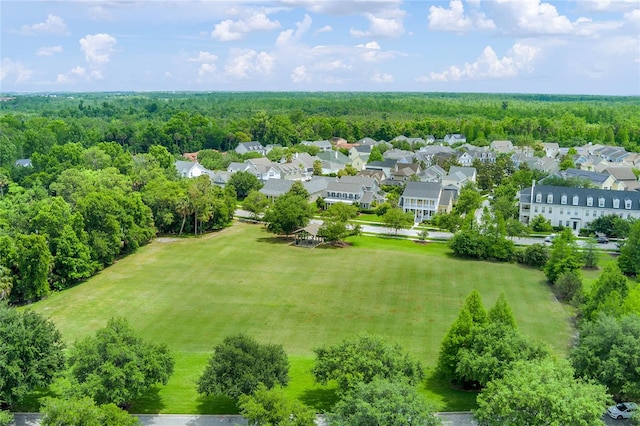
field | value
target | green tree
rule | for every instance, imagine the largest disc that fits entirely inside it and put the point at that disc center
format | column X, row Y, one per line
column 565, row 256
column 33, row 266
column 244, row 183
column 116, row 365
column 6, row 283
column 288, row 213
column 31, row 353
column 83, row 412
column 375, row 155
column 383, row 403
column 629, row 259
column 607, row 352
column 568, row 287
column 541, row 392
column 255, row 203
column 397, row 219
column 363, row 358
column 590, row 254
column 458, row 335
column 536, row 255
column 607, row 294
column 501, row 313
column 6, row 418
column 272, row 407
column 540, row 224
column 240, row 364
column 469, row 200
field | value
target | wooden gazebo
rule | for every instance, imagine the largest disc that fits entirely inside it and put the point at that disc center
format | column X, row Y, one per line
column 308, row 236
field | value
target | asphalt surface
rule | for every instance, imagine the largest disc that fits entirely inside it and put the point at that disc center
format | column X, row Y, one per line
column 448, row 419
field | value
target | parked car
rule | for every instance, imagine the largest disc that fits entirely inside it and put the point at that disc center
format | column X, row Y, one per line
column 550, row 238
column 602, row 239
column 624, row 410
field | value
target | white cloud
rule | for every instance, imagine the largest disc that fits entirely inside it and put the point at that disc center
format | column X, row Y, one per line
column 290, row 35
column 454, row 19
column 372, row 52
column 371, row 45
column 382, row 78
column 245, row 63
column 389, row 24
column 52, row 25
column 530, row 17
column 607, row 5
column 299, row 75
column 230, row 30
column 49, row 50
column 588, row 28
column 204, row 57
column 519, row 58
column 207, row 70
column 325, row 29
column 14, row 70
column 333, row 65
column 344, row 8
column 97, row 48
column 76, row 73
column 633, row 17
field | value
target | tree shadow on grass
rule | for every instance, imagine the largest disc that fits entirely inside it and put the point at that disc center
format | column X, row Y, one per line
column 321, row 399
column 451, row 399
column 150, row 402
column 216, row 405
column 31, row 401
column 275, row 240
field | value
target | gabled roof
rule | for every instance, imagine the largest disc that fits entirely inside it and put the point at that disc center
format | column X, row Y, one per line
column 333, row 156
column 185, row 166
column 388, row 163
column 360, row 180
column 622, row 173
column 345, row 187
column 595, row 177
column 252, row 146
column 363, row 149
column 466, row 171
column 276, row 187
column 422, row 190
column 24, row 162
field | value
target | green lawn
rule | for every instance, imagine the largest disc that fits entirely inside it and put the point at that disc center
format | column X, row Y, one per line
column 191, row 293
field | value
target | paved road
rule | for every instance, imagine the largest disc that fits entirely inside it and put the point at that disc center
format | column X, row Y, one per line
column 448, row 419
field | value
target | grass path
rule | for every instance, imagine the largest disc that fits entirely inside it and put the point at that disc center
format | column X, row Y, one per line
column 191, row 293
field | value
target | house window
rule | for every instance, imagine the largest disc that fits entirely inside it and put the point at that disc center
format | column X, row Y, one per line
column 586, row 213
column 538, row 198
column 560, row 222
column 549, row 209
column 575, row 200
column 627, row 204
column 567, row 223
column 589, row 201
column 535, row 209
column 550, row 198
column 563, row 199
column 616, row 203
column 601, row 202
column 543, row 209
column 561, row 211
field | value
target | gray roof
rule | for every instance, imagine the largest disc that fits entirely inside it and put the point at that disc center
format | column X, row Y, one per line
column 583, row 194
column 184, row 166
column 595, row 177
column 422, row 190
column 317, row 184
column 360, row 180
column 345, row 187
column 381, row 164
column 24, row 162
column 276, row 187
column 252, row 146
column 467, row 171
column 621, row 173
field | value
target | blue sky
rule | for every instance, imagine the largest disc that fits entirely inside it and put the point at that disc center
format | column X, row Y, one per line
column 508, row 46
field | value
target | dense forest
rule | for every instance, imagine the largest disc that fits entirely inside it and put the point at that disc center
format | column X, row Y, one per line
column 187, row 122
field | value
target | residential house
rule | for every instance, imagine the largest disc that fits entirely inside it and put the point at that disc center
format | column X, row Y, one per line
column 275, row 188
column 341, row 192
column 597, row 180
column 422, row 199
column 447, row 199
column 367, row 141
column 465, row 159
column 519, row 158
column 632, row 160
column 551, row 149
column 369, row 183
column 480, row 153
column 430, row 139
column 576, row 208
column 246, row 147
column 470, row 172
column 402, row 172
column 359, row 162
column 378, row 175
column 430, row 154
column 625, row 176
column 265, row 168
column 613, row 154
column 450, row 139
column 547, row 165
column 411, row 141
column 400, row 155
column 219, row 177
column 433, row 173
column 323, row 146
column 360, row 151
column 384, row 166
column 334, row 157
column 188, row 169
column 502, row 147
column 24, row 162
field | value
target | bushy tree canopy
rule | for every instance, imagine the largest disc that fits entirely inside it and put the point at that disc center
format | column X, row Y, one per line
column 240, row 364
column 363, row 358
column 30, row 353
column 383, row 403
column 272, row 407
column 116, row 365
column 83, row 412
column 540, row 393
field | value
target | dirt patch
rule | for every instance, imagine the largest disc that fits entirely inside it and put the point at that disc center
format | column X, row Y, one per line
column 166, row 239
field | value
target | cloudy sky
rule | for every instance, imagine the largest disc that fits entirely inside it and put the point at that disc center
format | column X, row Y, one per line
column 508, row 46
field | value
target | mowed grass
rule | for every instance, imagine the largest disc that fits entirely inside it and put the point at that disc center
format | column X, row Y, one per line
column 191, row 293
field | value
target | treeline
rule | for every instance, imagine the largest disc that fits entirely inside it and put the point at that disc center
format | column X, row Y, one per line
column 187, row 122
column 77, row 210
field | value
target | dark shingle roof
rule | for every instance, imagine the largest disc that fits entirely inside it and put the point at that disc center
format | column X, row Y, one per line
column 422, row 190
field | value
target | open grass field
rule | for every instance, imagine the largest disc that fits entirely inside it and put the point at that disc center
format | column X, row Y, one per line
column 191, row 293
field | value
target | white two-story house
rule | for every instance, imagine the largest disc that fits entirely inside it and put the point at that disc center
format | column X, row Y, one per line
column 575, row 208
column 422, row 199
